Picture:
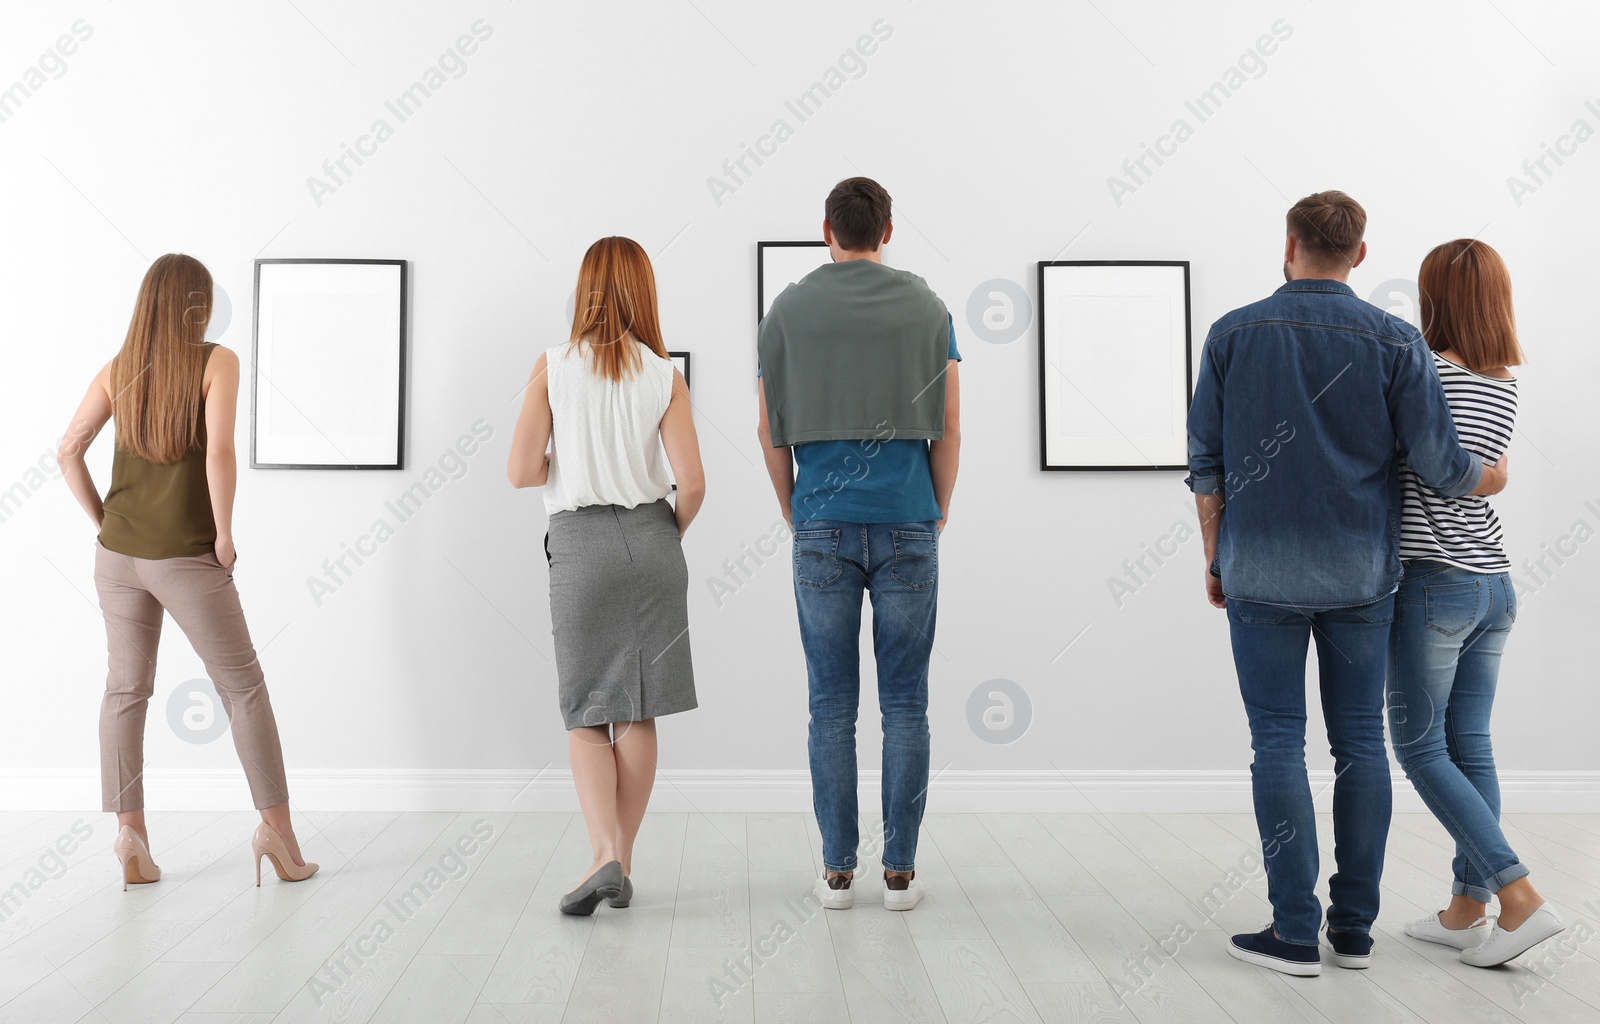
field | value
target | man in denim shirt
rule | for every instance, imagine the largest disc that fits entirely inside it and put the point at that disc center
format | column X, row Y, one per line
column 1304, row 403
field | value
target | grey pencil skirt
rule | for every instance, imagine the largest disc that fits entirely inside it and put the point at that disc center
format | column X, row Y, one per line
column 619, row 609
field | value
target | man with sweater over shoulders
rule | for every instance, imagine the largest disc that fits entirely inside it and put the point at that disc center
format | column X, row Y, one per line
column 859, row 390
column 1303, row 404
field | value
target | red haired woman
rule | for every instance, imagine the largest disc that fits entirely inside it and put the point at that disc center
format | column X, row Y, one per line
column 606, row 403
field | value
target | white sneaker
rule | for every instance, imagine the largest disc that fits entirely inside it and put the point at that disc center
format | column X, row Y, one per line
column 1430, row 929
column 1505, row 944
column 902, row 899
column 842, row 898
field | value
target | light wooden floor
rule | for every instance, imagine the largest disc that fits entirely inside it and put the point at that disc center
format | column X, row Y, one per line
column 1043, row 917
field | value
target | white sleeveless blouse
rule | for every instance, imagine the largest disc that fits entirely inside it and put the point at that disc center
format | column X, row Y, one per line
column 605, row 446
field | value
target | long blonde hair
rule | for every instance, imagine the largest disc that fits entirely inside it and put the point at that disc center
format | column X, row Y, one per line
column 616, row 299
column 155, row 378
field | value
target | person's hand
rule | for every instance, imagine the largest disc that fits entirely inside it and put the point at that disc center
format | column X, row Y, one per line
column 943, row 521
column 1214, row 591
column 225, row 553
column 1494, row 478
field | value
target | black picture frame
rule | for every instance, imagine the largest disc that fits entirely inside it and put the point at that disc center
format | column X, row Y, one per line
column 1188, row 365
column 686, row 363
column 761, row 269
column 401, row 350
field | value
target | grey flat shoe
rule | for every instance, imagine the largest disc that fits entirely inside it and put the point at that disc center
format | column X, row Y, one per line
column 604, row 884
column 623, row 898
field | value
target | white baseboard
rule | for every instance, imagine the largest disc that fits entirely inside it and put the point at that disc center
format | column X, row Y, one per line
column 783, row 790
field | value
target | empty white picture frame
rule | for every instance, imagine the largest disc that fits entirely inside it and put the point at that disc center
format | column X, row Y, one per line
column 680, row 360
column 1114, row 365
column 780, row 264
column 328, row 373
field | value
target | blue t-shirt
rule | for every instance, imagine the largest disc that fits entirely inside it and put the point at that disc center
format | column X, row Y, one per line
column 866, row 481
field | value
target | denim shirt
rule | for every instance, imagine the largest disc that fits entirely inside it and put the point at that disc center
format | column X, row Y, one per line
column 1305, row 402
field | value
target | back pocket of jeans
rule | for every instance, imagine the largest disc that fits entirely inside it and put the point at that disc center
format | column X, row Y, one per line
column 1452, row 607
column 916, row 559
column 816, row 557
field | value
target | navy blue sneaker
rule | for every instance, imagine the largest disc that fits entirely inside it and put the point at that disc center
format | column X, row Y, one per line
column 1264, row 949
column 1352, row 950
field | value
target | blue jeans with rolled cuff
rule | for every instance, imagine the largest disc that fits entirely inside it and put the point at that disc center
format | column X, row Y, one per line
column 1269, row 650
column 897, row 566
column 1450, row 628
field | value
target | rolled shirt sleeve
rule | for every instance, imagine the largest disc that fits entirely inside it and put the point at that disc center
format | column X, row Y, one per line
column 1205, row 427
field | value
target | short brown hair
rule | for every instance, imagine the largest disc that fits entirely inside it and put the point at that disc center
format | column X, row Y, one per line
column 858, row 212
column 1329, row 226
column 1464, row 298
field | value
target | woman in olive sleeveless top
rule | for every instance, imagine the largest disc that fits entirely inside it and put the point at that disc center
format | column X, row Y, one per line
column 166, row 547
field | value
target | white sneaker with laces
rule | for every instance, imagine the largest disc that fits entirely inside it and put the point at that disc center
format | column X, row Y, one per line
column 1431, row 929
column 1505, row 944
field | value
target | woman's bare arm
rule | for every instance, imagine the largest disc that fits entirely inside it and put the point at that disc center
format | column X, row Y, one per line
column 683, row 453
column 529, row 465
column 220, row 388
column 92, row 414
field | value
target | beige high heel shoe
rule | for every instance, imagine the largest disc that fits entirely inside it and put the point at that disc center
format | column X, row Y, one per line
column 138, row 868
column 268, row 843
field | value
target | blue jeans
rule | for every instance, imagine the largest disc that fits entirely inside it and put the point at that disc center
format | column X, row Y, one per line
column 1450, row 627
column 1269, row 650
column 898, row 565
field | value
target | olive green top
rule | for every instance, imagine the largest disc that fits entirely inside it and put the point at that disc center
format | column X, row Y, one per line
column 853, row 348
column 156, row 511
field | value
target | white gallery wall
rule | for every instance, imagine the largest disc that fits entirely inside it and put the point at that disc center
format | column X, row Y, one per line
column 1008, row 133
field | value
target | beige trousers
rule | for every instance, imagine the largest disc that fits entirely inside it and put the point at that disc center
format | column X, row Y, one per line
column 199, row 594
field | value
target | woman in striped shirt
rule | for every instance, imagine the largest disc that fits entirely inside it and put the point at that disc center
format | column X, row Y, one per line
column 1454, row 612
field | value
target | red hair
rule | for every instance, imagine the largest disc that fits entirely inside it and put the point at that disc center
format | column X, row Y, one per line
column 616, row 300
column 1464, row 298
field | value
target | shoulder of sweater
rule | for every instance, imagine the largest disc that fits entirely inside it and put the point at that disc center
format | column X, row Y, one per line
column 801, row 290
column 792, row 293
column 918, row 282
